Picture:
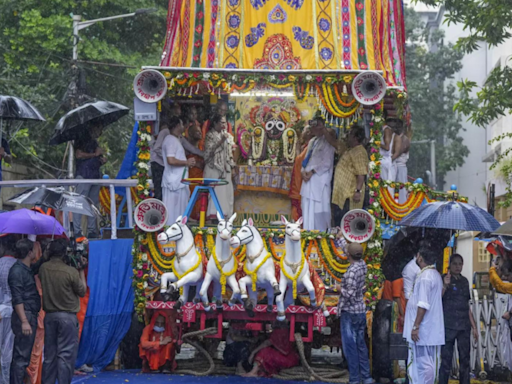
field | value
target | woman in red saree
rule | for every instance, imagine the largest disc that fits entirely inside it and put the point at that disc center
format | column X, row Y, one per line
column 157, row 348
column 275, row 354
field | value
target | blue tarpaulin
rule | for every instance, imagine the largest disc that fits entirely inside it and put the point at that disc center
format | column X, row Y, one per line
column 110, row 305
column 128, row 169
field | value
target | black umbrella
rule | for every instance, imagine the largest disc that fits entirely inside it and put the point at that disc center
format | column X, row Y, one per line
column 99, row 114
column 14, row 108
column 57, row 198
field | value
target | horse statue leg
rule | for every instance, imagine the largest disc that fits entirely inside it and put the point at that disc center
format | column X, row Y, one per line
column 231, row 281
column 217, row 295
column 165, row 279
column 280, row 298
column 306, row 281
column 204, row 291
column 243, row 283
column 270, row 297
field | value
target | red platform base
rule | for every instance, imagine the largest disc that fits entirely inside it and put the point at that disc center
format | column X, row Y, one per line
column 294, row 314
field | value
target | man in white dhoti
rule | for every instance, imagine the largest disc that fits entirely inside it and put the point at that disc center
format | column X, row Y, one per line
column 387, row 168
column 175, row 193
column 424, row 321
column 317, row 170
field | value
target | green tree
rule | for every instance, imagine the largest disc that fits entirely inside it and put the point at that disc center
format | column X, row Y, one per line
column 490, row 22
column 432, row 99
column 35, row 64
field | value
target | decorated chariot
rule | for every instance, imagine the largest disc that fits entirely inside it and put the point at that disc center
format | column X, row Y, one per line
column 277, row 64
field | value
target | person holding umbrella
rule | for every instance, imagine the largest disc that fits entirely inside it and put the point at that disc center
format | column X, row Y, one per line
column 5, row 155
column 89, row 158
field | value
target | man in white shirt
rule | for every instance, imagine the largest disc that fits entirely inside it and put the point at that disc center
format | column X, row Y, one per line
column 424, row 321
column 409, row 274
column 317, row 171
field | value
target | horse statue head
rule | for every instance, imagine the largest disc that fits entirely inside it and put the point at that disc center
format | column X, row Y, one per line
column 292, row 230
column 175, row 232
column 246, row 234
column 225, row 227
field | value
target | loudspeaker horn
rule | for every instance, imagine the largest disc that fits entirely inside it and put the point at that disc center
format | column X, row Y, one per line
column 369, row 88
column 151, row 215
column 358, row 226
column 150, row 86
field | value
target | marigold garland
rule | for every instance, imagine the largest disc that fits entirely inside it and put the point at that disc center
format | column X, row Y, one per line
column 224, row 275
column 253, row 274
column 193, row 268
column 293, row 279
column 156, row 258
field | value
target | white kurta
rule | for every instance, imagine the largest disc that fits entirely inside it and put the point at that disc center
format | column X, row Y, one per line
column 387, row 166
column 424, row 355
column 409, row 274
column 175, row 194
column 316, row 193
column 401, row 176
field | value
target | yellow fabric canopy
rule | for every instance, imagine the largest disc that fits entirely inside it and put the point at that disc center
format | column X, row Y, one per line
column 287, row 34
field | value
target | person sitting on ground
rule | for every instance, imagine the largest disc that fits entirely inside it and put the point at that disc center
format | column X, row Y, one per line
column 157, row 348
column 238, row 349
column 274, row 354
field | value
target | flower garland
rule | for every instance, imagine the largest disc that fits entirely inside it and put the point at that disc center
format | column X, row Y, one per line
column 252, row 274
column 160, row 262
column 141, row 244
column 193, row 268
column 290, row 277
column 373, row 253
column 223, row 275
column 289, row 145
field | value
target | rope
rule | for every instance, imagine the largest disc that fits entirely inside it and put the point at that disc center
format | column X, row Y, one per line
column 330, row 375
column 197, row 362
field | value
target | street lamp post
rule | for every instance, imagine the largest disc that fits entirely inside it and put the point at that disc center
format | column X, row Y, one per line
column 78, row 25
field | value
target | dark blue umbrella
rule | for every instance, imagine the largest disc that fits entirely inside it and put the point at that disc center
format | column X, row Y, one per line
column 451, row 215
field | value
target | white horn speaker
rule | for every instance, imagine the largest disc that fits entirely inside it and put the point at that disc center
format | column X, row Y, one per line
column 369, row 88
column 358, row 226
column 150, row 86
column 151, row 215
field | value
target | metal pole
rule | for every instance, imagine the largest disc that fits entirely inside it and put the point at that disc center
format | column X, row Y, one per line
column 113, row 215
column 433, row 162
column 129, row 206
column 71, row 153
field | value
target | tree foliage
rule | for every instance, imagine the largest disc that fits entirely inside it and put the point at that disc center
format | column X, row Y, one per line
column 432, row 98
column 490, row 22
column 35, row 64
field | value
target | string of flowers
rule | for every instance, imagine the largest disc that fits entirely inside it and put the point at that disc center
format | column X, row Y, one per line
column 140, row 249
column 373, row 253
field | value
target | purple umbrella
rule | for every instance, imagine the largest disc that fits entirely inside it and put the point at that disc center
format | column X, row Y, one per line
column 27, row 222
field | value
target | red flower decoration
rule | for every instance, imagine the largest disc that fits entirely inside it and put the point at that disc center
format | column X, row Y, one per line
column 200, row 15
column 361, row 51
column 185, row 75
column 198, row 43
column 359, row 6
column 199, row 29
column 361, row 36
column 282, row 77
column 359, row 21
column 319, row 79
column 363, row 66
column 377, row 106
column 196, row 75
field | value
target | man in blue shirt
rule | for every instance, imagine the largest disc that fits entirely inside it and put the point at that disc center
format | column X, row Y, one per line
column 89, row 158
column 5, row 155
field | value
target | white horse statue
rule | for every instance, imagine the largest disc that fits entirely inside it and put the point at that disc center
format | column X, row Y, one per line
column 187, row 266
column 295, row 271
column 259, row 267
column 222, row 266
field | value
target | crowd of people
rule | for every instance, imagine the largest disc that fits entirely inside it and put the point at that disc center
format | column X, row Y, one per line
column 36, row 283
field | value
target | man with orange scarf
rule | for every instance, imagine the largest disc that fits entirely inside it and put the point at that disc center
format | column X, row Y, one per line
column 157, row 347
column 296, row 180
